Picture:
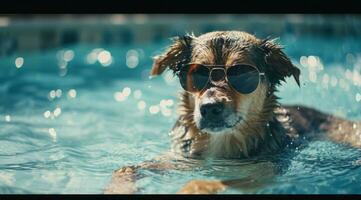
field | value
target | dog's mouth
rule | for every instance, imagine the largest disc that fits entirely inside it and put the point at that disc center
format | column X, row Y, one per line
column 220, row 125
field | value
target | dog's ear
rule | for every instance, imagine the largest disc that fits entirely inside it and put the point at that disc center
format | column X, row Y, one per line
column 177, row 53
column 278, row 64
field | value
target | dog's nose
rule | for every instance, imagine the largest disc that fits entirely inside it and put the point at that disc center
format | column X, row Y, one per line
column 212, row 110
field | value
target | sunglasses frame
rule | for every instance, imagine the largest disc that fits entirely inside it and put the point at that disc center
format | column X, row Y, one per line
column 223, row 67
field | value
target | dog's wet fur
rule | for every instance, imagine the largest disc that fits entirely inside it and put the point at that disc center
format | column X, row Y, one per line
column 247, row 124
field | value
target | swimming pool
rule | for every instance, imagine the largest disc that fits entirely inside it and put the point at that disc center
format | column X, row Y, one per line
column 70, row 116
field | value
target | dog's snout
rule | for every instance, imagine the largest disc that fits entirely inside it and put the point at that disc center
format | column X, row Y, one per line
column 212, row 110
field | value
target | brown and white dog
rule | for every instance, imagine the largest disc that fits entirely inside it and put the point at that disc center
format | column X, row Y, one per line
column 221, row 122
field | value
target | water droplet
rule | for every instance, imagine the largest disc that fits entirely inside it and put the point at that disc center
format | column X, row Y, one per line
column 119, row 96
column 169, row 102
column 162, row 103
column 68, row 55
column 141, row 105
column 47, row 114
column 72, row 93
column 105, row 58
column 57, row 112
column 312, row 61
column 58, row 93
column 166, row 112
column 7, row 118
column 132, row 58
column 358, row 97
column 19, row 61
column 303, row 61
column 52, row 94
column 137, row 94
column 126, row 91
column 92, row 57
column 154, row 109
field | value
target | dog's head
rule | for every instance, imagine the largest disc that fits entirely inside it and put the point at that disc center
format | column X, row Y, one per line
column 219, row 107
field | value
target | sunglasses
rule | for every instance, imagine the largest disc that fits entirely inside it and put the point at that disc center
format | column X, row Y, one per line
column 243, row 78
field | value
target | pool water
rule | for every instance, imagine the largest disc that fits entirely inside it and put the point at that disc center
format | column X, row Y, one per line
column 70, row 116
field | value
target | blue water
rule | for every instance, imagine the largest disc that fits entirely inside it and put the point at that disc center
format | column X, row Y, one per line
column 67, row 120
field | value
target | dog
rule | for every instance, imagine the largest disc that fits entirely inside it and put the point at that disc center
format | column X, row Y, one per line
column 229, row 108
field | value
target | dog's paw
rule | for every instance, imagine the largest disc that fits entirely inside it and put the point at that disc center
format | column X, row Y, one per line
column 122, row 181
column 124, row 170
column 202, row 187
column 125, row 174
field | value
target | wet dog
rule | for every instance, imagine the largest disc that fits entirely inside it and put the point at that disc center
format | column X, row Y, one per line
column 228, row 107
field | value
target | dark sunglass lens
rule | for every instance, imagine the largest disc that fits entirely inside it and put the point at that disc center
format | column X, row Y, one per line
column 200, row 76
column 243, row 78
column 193, row 77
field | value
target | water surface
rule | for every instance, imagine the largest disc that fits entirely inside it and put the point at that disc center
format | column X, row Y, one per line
column 70, row 116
